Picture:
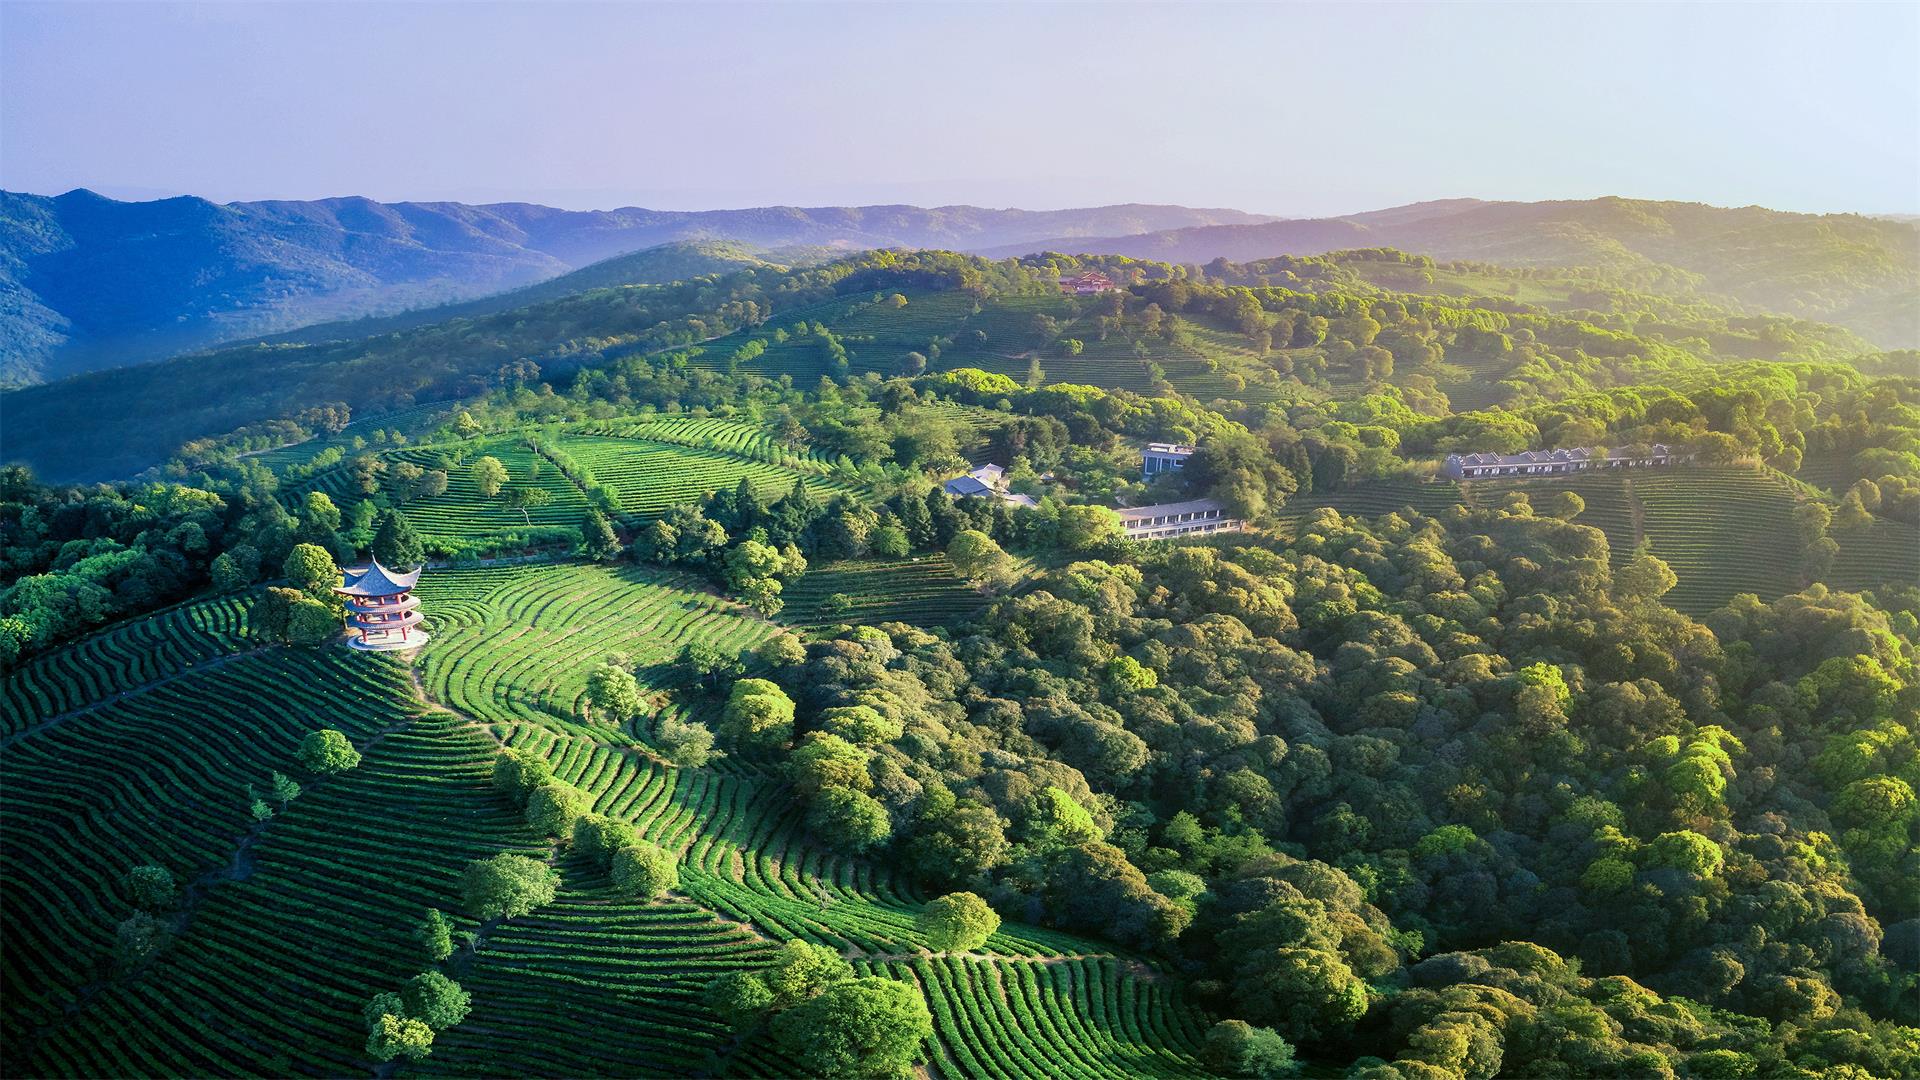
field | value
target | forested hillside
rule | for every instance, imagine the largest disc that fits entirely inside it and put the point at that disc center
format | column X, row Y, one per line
column 739, row 747
column 1854, row 271
column 95, row 283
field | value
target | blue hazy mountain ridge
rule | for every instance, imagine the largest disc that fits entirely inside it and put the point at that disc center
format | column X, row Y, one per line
column 88, row 282
column 1852, row 270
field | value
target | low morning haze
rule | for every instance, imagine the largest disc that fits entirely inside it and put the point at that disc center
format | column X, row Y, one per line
column 1298, row 109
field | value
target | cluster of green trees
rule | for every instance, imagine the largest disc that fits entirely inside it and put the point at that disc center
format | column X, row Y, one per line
column 829, row 1021
column 1297, row 771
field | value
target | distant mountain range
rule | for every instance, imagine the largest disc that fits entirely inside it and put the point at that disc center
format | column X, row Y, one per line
column 88, row 282
column 1852, row 270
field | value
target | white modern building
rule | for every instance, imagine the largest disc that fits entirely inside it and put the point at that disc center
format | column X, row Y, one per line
column 1165, row 520
column 1163, row 457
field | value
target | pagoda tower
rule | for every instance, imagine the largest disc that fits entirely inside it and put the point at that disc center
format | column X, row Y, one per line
column 382, row 613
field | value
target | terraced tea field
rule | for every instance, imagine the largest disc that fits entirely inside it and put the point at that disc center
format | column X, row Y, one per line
column 515, row 644
column 160, row 777
column 1374, row 498
column 163, row 645
column 1888, row 552
column 651, row 476
column 287, row 926
column 921, row 591
column 1724, row 531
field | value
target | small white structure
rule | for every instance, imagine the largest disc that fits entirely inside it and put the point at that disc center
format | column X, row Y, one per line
column 1165, row 520
column 1163, row 457
column 987, row 480
column 1557, row 462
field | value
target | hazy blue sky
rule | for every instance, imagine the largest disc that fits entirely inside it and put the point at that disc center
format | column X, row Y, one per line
column 1284, row 108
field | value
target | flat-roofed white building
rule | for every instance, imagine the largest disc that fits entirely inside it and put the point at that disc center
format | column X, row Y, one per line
column 1165, row 520
column 1163, row 457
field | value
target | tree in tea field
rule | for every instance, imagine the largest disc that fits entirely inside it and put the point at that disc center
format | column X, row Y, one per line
column 435, row 935
column 758, row 713
column 597, row 837
column 958, row 922
column 309, row 568
column 518, row 773
column 644, row 869
column 1644, row 577
column 780, row 650
column 396, row 544
column 309, row 622
column 1566, row 505
column 528, row 498
column 613, row 692
column 976, row 557
column 507, row 885
column 686, row 743
column 597, row 539
column 489, row 475
column 327, row 751
column 285, row 788
column 709, row 663
column 399, row 1037
column 801, row 970
column 824, row 760
column 1237, row 1048
column 553, row 807
column 138, row 937
column 150, row 886
column 848, row 820
column 867, row 1027
column 435, row 1000
column 740, row 997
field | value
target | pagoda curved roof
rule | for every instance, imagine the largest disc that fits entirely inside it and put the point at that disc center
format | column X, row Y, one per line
column 376, row 580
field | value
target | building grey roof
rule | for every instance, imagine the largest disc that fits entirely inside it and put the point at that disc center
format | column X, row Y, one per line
column 376, row 580
column 1194, row 506
column 985, row 480
column 966, row 487
column 1174, row 449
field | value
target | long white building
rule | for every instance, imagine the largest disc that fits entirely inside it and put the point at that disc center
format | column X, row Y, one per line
column 1165, row 520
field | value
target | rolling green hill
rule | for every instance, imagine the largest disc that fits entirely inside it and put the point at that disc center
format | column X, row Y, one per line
column 1858, row 272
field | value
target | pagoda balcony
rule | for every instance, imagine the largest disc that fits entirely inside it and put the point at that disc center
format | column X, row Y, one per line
column 379, row 604
column 387, row 621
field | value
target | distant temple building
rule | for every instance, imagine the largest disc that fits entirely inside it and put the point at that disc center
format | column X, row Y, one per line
column 984, row 481
column 1556, row 462
column 1162, row 457
column 1177, row 519
column 1087, row 282
column 382, row 613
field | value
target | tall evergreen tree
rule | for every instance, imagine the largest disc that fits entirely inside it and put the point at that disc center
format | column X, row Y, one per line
column 396, row 545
